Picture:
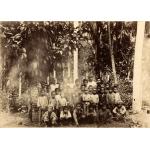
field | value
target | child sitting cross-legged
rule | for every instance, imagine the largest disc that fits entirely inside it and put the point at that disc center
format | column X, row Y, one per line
column 50, row 117
column 119, row 112
column 91, row 115
column 65, row 116
column 105, row 115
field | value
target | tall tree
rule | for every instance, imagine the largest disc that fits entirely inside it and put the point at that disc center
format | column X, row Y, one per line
column 112, row 54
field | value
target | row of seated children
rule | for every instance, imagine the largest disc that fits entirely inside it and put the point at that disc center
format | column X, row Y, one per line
column 93, row 104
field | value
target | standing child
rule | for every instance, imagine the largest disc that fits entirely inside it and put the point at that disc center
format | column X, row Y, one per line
column 86, row 100
column 52, row 100
column 116, row 95
column 110, row 99
column 42, row 104
column 95, row 100
column 62, row 102
column 102, row 98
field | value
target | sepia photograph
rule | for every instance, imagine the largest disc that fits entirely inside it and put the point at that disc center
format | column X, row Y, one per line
column 74, row 74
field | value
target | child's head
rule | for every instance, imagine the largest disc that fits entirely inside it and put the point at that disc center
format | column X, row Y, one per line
column 82, row 88
column 90, row 89
column 57, row 91
column 43, row 93
column 102, row 90
column 50, row 108
column 119, row 104
column 107, row 86
column 106, row 90
column 85, row 82
column 53, row 94
column 94, row 91
column 104, row 107
column 98, row 89
column 91, row 108
column 65, row 109
column 90, row 78
column 115, row 90
column 78, row 106
column 110, row 90
column 86, row 90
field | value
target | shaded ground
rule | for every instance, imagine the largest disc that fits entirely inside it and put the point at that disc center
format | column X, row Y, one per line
column 22, row 121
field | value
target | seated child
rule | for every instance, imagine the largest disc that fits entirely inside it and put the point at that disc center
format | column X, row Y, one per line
column 78, row 114
column 105, row 115
column 119, row 112
column 91, row 115
column 65, row 116
column 49, row 117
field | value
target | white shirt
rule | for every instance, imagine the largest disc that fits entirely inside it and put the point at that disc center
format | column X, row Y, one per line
column 63, row 115
column 42, row 102
column 62, row 102
column 95, row 98
column 117, row 97
column 121, row 110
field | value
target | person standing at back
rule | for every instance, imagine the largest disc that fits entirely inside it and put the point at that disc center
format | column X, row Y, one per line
column 91, row 82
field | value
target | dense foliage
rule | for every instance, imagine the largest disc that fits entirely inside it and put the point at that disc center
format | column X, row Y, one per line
column 35, row 48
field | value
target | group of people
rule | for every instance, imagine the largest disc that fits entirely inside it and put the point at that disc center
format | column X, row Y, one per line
column 86, row 102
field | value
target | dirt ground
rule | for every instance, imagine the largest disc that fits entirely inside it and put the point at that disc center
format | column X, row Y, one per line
column 18, row 120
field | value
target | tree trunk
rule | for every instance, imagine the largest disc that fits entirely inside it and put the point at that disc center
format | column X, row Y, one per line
column 137, row 82
column 75, row 58
column 112, row 55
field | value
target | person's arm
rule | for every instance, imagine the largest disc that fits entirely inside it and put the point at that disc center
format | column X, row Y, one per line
column 119, row 98
column 38, row 102
column 115, row 110
column 75, row 118
column 123, row 110
column 61, row 115
column 69, row 114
